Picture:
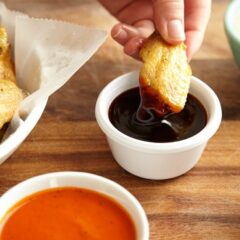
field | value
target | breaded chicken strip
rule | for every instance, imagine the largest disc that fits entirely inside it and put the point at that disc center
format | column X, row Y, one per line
column 10, row 98
column 10, row 94
column 165, row 75
column 6, row 66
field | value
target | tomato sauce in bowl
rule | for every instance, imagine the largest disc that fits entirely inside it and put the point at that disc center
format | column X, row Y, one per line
column 67, row 213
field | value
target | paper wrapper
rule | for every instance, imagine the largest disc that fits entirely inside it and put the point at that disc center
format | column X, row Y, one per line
column 46, row 53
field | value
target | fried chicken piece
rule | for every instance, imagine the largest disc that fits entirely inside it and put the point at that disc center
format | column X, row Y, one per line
column 165, row 75
column 6, row 66
column 10, row 94
column 10, row 97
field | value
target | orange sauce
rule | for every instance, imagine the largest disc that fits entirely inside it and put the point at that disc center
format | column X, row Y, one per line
column 67, row 214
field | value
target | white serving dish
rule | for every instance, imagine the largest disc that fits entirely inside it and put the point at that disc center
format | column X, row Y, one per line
column 8, row 146
column 157, row 160
column 82, row 180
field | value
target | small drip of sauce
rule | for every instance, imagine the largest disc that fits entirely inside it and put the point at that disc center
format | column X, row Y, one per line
column 147, row 125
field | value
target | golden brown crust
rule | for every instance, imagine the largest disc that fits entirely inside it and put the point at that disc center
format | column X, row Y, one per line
column 10, row 97
column 165, row 72
column 10, row 94
column 6, row 66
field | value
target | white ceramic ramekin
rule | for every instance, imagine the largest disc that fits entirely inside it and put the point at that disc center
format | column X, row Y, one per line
column 157, row 160
column 82, row 180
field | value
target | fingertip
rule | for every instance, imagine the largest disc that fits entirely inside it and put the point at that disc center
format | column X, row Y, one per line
column 115, row 30
column 172, row 32
column 175, row 31
column 119, row 34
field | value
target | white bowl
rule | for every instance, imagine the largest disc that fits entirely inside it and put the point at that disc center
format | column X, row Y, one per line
column 82, row 180
column 8, row 146
column 156, row 160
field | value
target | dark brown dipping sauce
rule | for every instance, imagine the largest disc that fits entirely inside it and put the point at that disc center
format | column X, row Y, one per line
column 125, row 115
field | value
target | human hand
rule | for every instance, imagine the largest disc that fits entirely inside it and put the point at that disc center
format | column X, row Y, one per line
column 175, row 20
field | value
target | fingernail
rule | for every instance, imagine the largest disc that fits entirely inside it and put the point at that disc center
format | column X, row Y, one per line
column 121, row 35
column 176, row 30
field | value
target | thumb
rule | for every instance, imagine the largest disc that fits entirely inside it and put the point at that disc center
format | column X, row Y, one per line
column 169, row 19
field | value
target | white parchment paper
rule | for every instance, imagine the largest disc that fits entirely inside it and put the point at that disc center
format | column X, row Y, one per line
column 46, row 53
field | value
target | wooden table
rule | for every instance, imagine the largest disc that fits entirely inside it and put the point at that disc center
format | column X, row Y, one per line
column 202, row 204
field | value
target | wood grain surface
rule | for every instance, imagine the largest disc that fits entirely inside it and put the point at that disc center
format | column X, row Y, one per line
column 202, row 204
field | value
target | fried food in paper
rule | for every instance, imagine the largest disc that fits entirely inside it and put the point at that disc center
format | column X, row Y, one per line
column 6, row 66
column 10, row 97
column 10, row 94
column 165, row 75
